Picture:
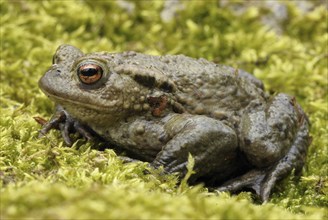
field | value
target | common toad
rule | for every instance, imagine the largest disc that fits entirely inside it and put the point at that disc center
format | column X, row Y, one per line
column 161, row 108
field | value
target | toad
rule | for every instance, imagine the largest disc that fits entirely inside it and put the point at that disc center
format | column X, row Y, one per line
column 160, row 109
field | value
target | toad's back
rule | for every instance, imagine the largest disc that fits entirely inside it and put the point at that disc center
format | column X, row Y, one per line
column 203, row 87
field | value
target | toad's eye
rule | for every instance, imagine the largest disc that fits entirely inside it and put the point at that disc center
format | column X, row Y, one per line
column 89, row 73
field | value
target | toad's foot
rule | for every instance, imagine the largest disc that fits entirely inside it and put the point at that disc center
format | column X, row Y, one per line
column 62, row 121
column 263, row 180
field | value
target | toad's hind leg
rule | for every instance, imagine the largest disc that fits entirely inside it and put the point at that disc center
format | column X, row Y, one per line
column 276, row 162
column 263, row 180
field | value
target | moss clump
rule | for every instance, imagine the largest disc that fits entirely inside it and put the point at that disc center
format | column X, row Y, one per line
column 42, row 179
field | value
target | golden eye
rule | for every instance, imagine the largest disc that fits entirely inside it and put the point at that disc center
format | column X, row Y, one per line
column 89, row 73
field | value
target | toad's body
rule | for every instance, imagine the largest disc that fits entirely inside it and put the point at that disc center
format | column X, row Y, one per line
column 161, row 108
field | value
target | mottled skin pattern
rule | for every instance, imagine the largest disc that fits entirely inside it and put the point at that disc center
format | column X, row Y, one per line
column 161, row 108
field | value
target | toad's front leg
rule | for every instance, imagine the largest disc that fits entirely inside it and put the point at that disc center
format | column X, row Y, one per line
column 62, row 121
column 212, row 144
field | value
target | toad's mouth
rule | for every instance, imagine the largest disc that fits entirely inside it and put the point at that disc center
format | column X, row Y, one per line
column 74, row 100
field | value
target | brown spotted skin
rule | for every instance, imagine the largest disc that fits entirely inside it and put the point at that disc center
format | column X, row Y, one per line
column 161, row 108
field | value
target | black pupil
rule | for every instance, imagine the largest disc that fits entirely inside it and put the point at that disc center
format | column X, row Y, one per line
column 89, row 71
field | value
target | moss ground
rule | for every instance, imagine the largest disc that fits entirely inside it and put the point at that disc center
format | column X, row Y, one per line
column 40, row 178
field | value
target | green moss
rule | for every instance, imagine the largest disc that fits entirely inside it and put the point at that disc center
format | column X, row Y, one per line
column 42, row 178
